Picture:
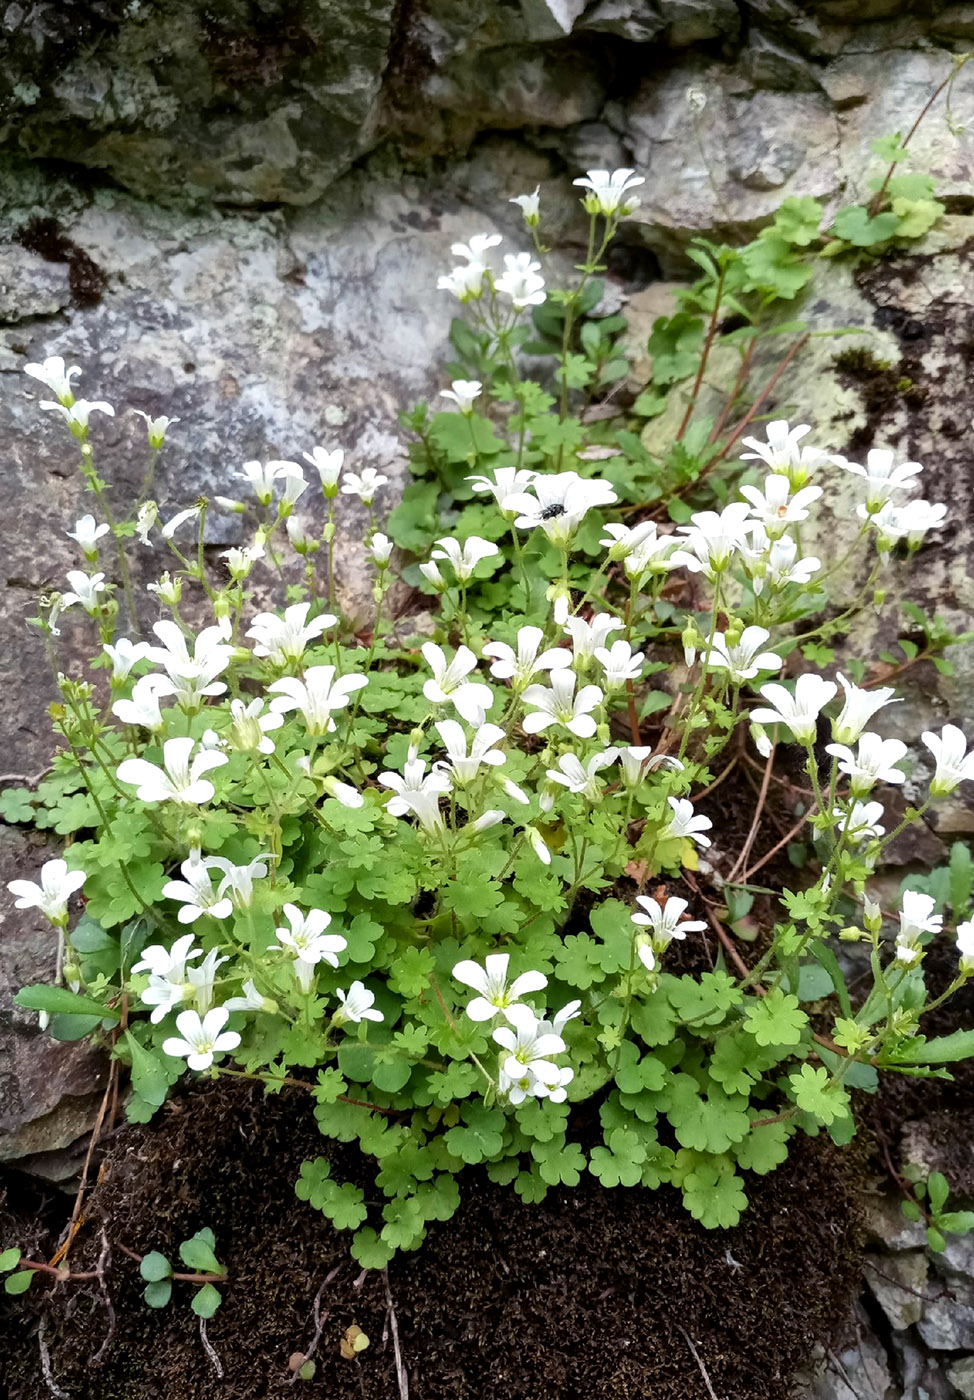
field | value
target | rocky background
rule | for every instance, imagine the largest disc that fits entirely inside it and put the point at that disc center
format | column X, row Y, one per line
column 235, row 211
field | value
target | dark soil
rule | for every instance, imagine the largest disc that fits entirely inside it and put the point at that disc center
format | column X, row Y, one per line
column 593, row 1293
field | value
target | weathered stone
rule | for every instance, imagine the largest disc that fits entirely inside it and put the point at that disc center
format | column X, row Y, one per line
column 635, row 20
column 956, row 22
column 922, row 1376
column 770, row 64
column 898, row 1283
column 856, row 1370
column 961, row 1376
column 947, row 1323
column 30, row 287
column 696, row 21
column 886, row 1223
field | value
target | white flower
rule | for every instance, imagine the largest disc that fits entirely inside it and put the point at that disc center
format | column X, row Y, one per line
column 465, row 281
column 464, row 766
column 965, row 947
column 684, row 823
column 156, row 428
column 798, row 711
column 782, row 453
column 241, row 561
column 147, row 516
column 249, row 731
column 646, row 956
column 559, row 504
column 462, row 392
column 519, row 666
column 87, row 534
column 197, row 893
column 85, row 590
column 713, row 539
column 529, row 206
column 464, row 558
column 775, row 561
column 521, row 281
column 910, row 522
column 124, row 655
column 77, row 414
column 608, row 190
column 51, row 896
column 883, row 475
column 201, row 1039
column 873, row 763
column 170, row 528
column 343, row 792
column 250, row 1001
column 191, row 677
column 179, row 780
column 169, row 983
column 664, row 920
column 619, row 663
column 496, row 997
column 745, row 659
column 356, row 1005
column 380, row 550
column 262, row 476
column 363, row 484
column 492, row 817
column 916, row 918
column 590, row 637
column 954, row 764
column 308, row 943
column 238, row 880
column 418, row 792
column 317, row 695
column 328, row 465
column 624, row 539
column 860, row 822
column 529, row 1048
column 560, row 705
column 471, row 699
column 143, row 708
column 515, row 793
column 506, row 481
column 581, row 778
column 283, row 639
column 633, row 762
column 55, row 377
column 858, row 709
column 294, row 487
column 776, row 507
column 537, row 845
column 476, row 250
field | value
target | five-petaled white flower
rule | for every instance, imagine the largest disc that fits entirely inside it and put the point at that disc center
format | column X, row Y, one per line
column 251, row 723
column 623, row 540
column 251, row 1000
column 169, row 983
column 775, row 562
column 191, row 677
column 471, row 699
column 588, row 637
column 418, row 792
column 798, row 711
column 910, row 522
column 684, row 822
column 521, row 281
column 171, row 526
column 665, row 920
column 143, row 707
column 465, row 557
column 463, row 765
column 506, row 481
column 196, row 893
column 199, row 1040
column 713, row 539
column 874, row 762
column 783, row 454
column 744, row 659
column 860, row 821
column 608, row 191
column 462, row 392
column 262, row 476
column 380, row 550
column 496, row 997
column 85, row 590
column 559, row 504
column 916, row 918
column 87, row 533
column 317, row 695
column 363, row 484
column 305, row 939
column 51, row 896
column 582, row 778
column 529, row 1048
column 328, row 465
column 776, row 507
column 858, row 709
column 124, row 655
column 77, row 414
column 357, row 1004
column 954, row 764
column 156, row 428
column 238, row 880
column 55, row 377
column 558, row 704
column 180, row 779
column 883, row 475
column 283, row 639
column 619, row 663
column 530, row 206
column 519, row 666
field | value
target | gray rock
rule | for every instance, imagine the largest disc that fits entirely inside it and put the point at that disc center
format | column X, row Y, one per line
column 696, row 21
column 898, row 1283
column 886, row 1223
column 635, row 20
column 961, row 1376
column 858, row 1370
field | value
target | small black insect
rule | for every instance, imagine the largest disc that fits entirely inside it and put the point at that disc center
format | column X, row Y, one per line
column 551, row 511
